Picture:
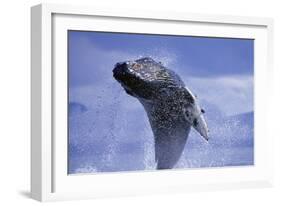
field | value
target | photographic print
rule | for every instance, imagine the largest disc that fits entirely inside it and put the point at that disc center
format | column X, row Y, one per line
column 141, row 102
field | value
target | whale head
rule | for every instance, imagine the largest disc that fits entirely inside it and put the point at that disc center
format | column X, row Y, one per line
column 145, row 78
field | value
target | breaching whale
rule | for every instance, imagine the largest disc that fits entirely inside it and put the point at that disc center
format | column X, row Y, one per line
column 171, row 107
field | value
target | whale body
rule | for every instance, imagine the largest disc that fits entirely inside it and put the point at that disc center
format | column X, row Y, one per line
column 171, row 107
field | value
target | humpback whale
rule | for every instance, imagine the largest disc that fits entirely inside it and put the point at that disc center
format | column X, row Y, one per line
column 171, row 107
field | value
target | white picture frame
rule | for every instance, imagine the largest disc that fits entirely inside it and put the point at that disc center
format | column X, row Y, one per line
column 49, row 179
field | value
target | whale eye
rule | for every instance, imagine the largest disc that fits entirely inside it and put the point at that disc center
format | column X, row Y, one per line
column 203, row 111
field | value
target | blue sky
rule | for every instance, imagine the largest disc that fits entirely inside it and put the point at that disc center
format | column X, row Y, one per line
column 217, row 69
column 206, row 56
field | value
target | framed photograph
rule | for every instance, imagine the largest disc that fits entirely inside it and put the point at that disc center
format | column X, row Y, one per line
column 134, row 102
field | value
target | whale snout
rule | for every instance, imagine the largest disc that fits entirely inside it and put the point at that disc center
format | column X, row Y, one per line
column 120, row 69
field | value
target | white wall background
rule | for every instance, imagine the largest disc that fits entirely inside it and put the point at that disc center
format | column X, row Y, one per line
column 15, row 95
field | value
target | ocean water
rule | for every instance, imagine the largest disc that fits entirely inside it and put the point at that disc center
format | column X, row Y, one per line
column 109, row 132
